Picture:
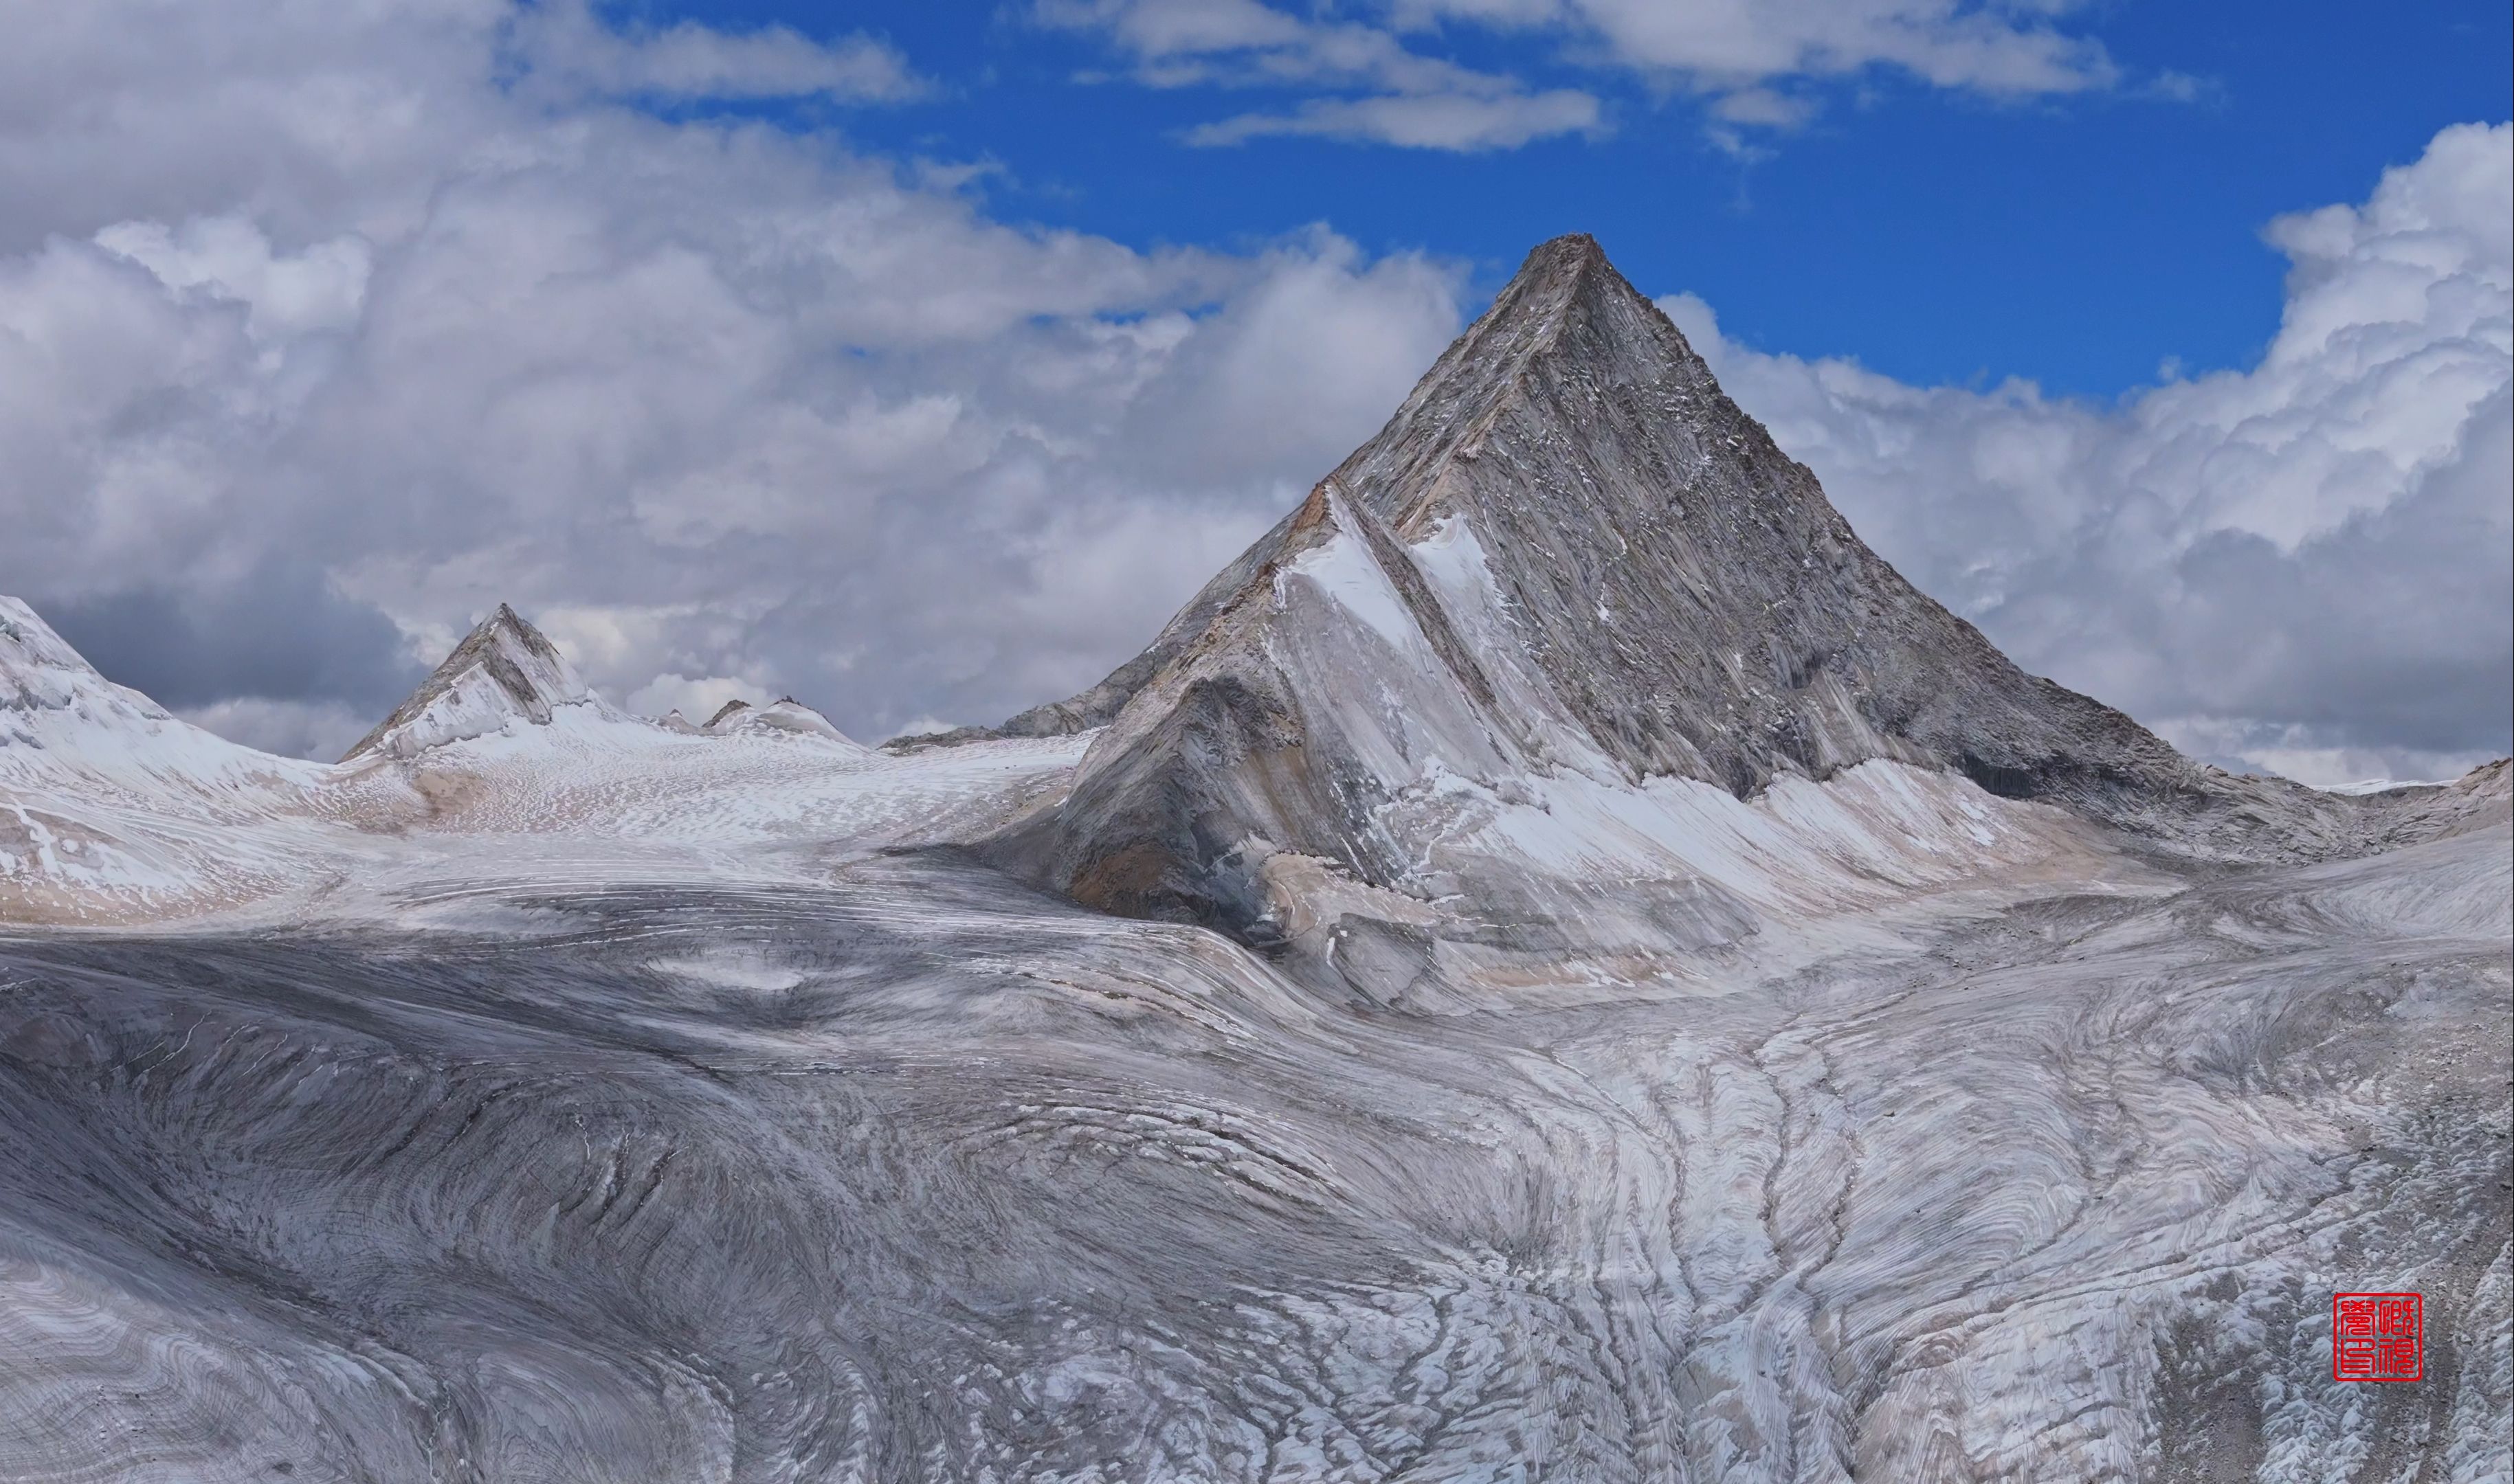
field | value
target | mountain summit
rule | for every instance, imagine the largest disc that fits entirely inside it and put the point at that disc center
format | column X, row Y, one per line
column 1568, row 552
column 504, row 671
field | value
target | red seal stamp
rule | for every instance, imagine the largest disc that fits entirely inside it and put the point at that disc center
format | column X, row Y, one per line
column 2377, row 1336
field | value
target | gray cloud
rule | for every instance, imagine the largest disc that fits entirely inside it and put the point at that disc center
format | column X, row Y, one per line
column 561, row 45
column 280, row 634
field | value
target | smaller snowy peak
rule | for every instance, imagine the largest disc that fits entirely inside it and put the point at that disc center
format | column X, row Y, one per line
column 92, row 773
column 786, row 715
column 505, row 671
column 783, row 717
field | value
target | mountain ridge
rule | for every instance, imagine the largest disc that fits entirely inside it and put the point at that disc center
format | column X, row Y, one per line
column 1655, row 586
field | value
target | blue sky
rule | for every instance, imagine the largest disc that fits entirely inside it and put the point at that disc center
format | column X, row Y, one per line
column 1940, row 236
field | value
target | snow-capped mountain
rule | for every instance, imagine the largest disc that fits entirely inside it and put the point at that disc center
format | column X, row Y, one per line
column 58, row 714
column 503, row 674
column 1545, row 656
column 784, row 715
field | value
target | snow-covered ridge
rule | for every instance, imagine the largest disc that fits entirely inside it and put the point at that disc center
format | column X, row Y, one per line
column 109, row 803
column 783, row 716
column 114, row 811
column 39, row 672
column 505, row 766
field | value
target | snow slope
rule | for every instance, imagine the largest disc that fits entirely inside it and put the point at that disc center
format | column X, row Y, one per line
column 110, row 807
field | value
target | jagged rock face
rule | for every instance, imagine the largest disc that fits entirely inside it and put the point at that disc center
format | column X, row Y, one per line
column 1701, row 608
column 504, row 671
column 1568, row 552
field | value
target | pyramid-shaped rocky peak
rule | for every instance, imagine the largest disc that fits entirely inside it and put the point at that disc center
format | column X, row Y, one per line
column 504, row 671
column 1567, row 549
column 1699, row 605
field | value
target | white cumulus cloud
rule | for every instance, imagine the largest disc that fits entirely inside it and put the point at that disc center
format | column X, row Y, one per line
column 1379, row 77
column 1378, row 88
column 716, row 401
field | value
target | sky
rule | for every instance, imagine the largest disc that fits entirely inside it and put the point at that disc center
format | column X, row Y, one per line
column 918, row 360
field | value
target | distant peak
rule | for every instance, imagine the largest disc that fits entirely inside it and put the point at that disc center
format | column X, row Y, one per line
column 504, row 620
column 502, row 671
column 785, row 716
column 502, row 629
